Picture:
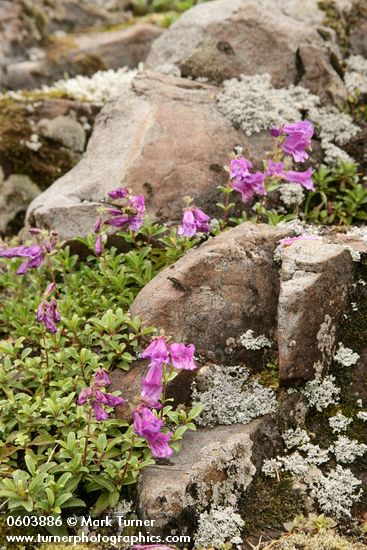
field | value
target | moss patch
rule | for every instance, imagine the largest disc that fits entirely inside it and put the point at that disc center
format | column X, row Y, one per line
column 43, row 166
column 269, row 504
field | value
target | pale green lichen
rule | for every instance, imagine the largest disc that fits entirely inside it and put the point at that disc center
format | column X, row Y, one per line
column 229, row 397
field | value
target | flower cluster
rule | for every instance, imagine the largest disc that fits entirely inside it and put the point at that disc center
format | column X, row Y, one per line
column 194, row 221
column 247, row 183
column 160, row 353
column 146, row 423
column 35, row 254
column 292, row 139
column 94, row 396
column 127, row 211
column 47, row 311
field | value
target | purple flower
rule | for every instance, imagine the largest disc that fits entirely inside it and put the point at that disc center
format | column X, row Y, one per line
column 303, row 178
column 98, row 225
column 99, row 412
column 251, row 185
column 202, row 220
column 152, row 385
column 119, row 193
column 101, row 378
column 131, row 214
column 276, row 132
column 137, row 202
column 298, row 139
column 84, row 395
column 275, row 169
column 34, row 254
column 98, row 249
column 290, row 240
column 147, row 425
column 98, row 398
column 47, row 312
column 194, row 221
column 182, row 357
column 188, row 227
column 239, row 168
column 157, row 350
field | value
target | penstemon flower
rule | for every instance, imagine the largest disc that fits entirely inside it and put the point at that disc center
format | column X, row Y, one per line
column 147, row 425
column 128, row 210
column 47, row 311
column 159, row 353
column 97, row 398
column 297, row 138
column 194, row 221
column 287, row 241
column 35, row 254
column 293, row 139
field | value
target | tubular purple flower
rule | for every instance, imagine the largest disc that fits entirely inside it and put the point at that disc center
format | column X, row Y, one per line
column 49, row 290
column 152, row 384
column 182, row 357
column 274, row 169
column 112, row 400
column 138, row 203
column 84, row 395
column 98, row 249
column 47, row 312
column 188, row 227
column 239, row 168
column 98, row 225
column 251, row 185
column 156, row 351
column 98, row 398
column 101, row 378
column 147, row 425
column 298, row 139
column 159, row 445
column 302, row 178
column 99, row 412
column 53, row 311
column 119, row 193
column 202, row 220
column 33, row 253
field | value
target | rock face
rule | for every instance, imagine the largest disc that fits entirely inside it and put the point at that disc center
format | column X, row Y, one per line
column 219, row 291
column 84, row 54
column 227, row 38
column 312, row 273
column 16, row 192
column 26, row 25
column 172, row 120
column 214, row 465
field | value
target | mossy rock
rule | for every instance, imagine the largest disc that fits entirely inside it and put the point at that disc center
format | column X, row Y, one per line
column 268, row 504
column 43, row 166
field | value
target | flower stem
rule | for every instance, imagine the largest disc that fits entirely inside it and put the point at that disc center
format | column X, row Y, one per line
column 87, row 434
column 128, row 458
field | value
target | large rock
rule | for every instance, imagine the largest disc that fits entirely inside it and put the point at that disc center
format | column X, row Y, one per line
column 315, row 278
column 224, row 288
column 16, row 192
column 84, row 54
column 164, row 138
column 215, row 467
column 227, row 38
